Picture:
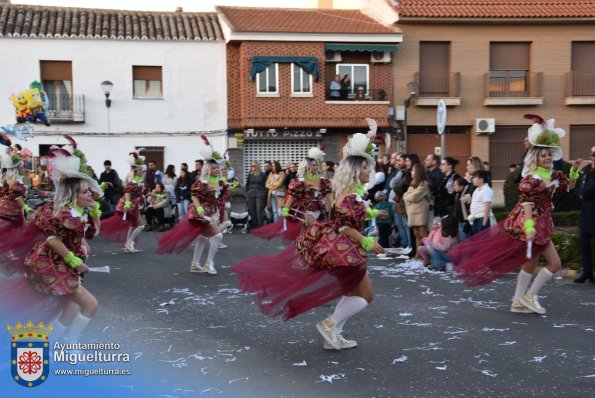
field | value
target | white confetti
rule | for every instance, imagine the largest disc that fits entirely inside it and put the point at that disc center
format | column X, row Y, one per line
column 170, row 302
column 508, row 343
column 494, row 330
column 489, row 373
column 331, row 378
column 405, row 314
column 441, row 367
column 401, row 359
column 303, row 363
column 240, row 379
column 539, row 359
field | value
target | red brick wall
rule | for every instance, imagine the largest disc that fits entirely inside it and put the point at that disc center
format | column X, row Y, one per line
column 246, row 110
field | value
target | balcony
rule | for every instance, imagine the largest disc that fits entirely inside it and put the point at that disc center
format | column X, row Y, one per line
column 66, row 108
column 580, row 88
column 360, row 94
column 436, row 86
column 513, row 87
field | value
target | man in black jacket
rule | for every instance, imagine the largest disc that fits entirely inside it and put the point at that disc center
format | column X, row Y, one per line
column 586, row 191
column 111, row 185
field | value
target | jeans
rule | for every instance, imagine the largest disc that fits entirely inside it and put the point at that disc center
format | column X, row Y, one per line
column 462, row 233
column 403, row 229
column 183, row 207
column 256, row 207
column 478, row 225
column 274, row 208
column 585, row 242
column 438, row 258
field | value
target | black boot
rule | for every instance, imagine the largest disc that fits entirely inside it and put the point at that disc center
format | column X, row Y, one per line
column 585, row 275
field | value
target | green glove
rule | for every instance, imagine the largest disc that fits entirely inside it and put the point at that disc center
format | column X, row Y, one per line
column 200, row 210
column 368, row 243
column 285, row 212
column 574, row 174
column 102, row 186
column 26, row 208
column 127, row 204
column 372, row 213
column 72, row 261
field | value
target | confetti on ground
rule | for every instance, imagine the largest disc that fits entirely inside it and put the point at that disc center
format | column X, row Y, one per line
column 401, row 359
column 331, row 378
column 303, row 363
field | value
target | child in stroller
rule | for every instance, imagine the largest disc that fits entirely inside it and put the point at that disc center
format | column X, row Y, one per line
column 238, row 211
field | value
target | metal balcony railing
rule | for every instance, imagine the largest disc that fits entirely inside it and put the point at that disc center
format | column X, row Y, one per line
column 357, row 94
column 438, row 84
column 580, row 84
column 66, row 108
column 513, row 83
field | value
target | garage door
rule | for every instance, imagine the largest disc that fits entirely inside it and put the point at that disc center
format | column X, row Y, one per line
column 283, row 151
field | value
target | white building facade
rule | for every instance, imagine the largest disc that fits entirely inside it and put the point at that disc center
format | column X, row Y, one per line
column 168, row 72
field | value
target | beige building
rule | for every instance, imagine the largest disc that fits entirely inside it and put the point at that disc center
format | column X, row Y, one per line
column 493, row 62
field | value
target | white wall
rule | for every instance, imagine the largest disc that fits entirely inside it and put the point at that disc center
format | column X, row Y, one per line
column 194, row 94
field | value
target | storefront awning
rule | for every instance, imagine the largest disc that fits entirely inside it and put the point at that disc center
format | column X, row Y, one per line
column 308, row 64
column 360, row 47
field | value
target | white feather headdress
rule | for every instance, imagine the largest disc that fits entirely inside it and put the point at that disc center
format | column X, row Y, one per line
column 63, row 167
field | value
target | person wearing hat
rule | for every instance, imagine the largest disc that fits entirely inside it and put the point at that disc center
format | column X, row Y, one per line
column 13, row 208
column 205, row 219
column 525, row 235
column 57, row 263
column 306, row 198
column 127, row 222
column 328, row 260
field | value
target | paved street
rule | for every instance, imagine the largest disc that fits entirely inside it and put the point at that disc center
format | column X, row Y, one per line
column 425, row 335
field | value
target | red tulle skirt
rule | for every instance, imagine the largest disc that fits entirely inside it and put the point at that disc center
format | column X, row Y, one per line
column 20, row 302
column 180, row 237
column 16, row 242
column 275, row 230
column 287, row 287
column 116, row 228
column 489, row 255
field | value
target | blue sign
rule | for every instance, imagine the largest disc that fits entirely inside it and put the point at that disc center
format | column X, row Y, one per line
column 441, row 116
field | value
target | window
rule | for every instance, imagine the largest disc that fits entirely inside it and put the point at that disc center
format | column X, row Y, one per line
column 509, row 69
column 359, row 76
column 581, row 141
column 267, row 81
column 301, row 81
column 147, row 82
column 434, row 69
column 583, row 68
column 506, row 148
column 56, row 78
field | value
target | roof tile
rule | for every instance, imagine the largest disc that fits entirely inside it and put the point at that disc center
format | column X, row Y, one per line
column 301, row 20
column 19, row 20
column 496, row 8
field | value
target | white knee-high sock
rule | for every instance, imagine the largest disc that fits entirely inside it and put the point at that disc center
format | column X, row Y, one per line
column 542, row 277
column 78, row 325
column 215, row 241
column 201, row 243
column 135, row 233
column 522, row 282
column 224, row 225
column 347, row 307
column 58, row 330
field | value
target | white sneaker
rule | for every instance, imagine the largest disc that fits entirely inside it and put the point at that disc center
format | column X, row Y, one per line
column 343, row 342
column 530, row 301
column 129, row 248
column 222, row 245
column 327, row 329
column 197, row 268
column 407, row 250
column 210, row 268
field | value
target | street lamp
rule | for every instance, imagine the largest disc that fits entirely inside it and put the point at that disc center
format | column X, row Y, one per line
column 107, row 86
column 412, row 93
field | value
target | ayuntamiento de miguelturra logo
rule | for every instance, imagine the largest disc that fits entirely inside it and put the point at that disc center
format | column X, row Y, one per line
column 30, row 353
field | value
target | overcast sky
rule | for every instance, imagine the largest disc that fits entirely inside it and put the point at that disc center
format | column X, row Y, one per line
column 170, row 5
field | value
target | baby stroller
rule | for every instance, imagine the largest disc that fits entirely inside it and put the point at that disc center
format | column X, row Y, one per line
column 238, row 210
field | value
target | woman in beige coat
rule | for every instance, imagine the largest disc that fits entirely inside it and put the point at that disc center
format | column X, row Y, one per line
column 417, row 203
column 276, row 190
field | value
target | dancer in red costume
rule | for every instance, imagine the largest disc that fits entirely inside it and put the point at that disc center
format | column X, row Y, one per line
column 54, row 268
column 127, row 222
column 13, row 209
column 205, row 217
column 307, row 198
column 526, row 233
column 329, row 258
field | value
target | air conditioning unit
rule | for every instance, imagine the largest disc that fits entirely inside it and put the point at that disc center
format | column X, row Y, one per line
column 333, row 56
column 485, row 126
column 380, row 56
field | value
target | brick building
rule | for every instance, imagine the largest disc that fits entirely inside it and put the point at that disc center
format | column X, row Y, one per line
column 280, row 64
column 493, row 62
